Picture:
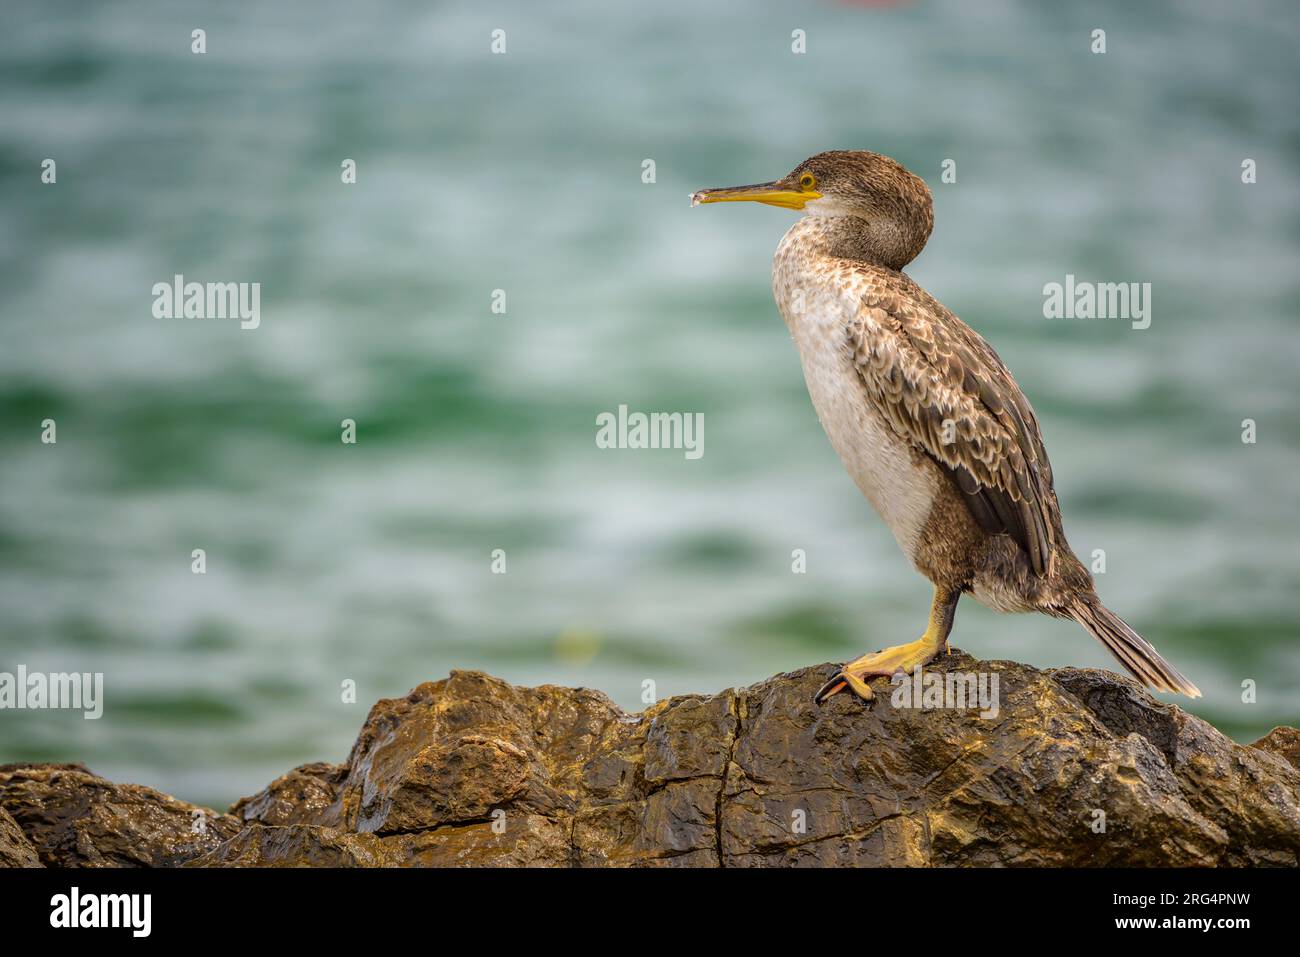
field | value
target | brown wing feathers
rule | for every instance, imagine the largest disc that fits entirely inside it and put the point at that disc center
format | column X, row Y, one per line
column 931, row 374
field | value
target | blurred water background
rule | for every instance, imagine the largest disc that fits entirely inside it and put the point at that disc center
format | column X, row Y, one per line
column 522, row 172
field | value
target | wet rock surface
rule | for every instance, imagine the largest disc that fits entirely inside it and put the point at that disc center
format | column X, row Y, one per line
column 74, row 818
column 1284, row 742
column 15, row 849
column 1076, row 768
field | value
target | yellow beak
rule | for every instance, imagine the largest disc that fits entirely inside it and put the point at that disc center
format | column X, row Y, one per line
column 773, row 194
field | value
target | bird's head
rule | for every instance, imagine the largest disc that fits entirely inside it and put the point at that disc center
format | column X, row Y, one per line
column 887, row 208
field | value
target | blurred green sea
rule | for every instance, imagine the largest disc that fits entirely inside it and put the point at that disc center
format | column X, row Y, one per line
column 522, row 172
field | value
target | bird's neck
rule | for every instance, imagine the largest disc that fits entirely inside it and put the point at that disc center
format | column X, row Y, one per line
column 879, row 240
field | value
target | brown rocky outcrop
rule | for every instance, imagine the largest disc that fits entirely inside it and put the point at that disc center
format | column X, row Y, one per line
column 74, row 818
column 1077, row 768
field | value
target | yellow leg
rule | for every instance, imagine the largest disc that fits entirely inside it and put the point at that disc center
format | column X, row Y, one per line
column 905, row 658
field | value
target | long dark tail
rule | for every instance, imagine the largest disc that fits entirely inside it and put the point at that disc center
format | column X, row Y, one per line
column 1133, row 651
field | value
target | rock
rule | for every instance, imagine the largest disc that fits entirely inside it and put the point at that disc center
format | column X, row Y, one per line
column 1073, row 768
column 15, row 849
column 299, row 845
column 536, row 842
column 77, row 819
column 301, row 796
column 1284, row 742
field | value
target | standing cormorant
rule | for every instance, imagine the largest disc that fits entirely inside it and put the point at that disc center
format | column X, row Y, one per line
column 926, row 418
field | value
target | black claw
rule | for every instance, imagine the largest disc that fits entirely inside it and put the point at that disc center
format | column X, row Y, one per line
column 824, row 691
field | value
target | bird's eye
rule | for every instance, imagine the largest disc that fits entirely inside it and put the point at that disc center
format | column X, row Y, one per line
column 807, row 181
